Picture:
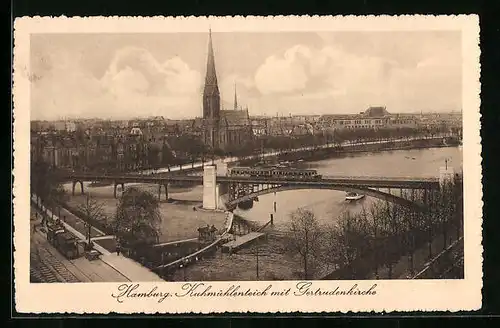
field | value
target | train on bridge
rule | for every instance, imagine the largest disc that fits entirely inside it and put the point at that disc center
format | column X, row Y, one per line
column 274, row 172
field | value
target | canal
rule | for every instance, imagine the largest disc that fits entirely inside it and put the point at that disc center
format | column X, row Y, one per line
column 329, row 204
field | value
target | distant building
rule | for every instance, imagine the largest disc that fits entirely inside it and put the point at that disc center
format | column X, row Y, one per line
column 376, row 112
column 372, row 118
column 70, row 126
column 136, row 131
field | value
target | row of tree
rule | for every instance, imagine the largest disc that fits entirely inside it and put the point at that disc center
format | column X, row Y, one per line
column 356, row 245
column 45, row 185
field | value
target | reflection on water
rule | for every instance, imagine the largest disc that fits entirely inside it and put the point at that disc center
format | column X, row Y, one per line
column 329, row 204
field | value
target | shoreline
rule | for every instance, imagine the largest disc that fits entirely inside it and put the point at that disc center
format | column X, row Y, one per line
column 308, row 156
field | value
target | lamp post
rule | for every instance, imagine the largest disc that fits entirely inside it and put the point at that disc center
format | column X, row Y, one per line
column 257, row 261
column 88, row 227
column 183, row 267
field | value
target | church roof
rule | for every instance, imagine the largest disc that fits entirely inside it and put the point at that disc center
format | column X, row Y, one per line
column 235, row 117
column 376, row 111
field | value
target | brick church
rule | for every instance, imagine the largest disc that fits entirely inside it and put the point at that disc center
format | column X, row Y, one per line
column 222, row 129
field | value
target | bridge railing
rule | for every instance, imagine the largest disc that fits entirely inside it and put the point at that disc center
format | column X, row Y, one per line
column 378, row 178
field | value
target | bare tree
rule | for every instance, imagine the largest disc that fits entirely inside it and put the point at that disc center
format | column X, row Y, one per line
column 304, row 238
column 348, row 240
column 376, row 214
column 92, row 211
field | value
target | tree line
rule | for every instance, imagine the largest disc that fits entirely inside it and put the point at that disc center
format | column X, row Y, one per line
column 188, row 148
column 357, row 245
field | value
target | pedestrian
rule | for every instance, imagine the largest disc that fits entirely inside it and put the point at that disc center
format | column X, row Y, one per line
column 118, row 249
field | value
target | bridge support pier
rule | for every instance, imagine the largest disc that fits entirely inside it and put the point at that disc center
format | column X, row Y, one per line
column 166, row 191
column 116, row 184
column 73, row 186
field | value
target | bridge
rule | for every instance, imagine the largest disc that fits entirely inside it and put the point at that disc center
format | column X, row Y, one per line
column 365, row 184
column 243, row 188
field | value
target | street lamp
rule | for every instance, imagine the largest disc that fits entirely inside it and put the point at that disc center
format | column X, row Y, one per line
column 257, row 261
column 88, row 227
column 183, row 267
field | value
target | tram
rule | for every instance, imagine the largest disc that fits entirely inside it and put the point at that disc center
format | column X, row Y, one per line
column 274, row 172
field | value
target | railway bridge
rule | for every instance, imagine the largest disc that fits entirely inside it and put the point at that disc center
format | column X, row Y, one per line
column 237, row 189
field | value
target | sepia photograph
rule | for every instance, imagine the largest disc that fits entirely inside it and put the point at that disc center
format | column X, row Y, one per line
column 213, row 155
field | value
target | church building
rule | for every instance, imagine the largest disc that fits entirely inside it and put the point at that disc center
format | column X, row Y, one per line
column 222, row 129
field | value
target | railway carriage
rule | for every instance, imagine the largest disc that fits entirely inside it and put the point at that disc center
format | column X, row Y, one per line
column 271, row 172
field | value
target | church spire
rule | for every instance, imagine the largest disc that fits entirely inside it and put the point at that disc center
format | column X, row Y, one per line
column 211, row 77
column 235, row 98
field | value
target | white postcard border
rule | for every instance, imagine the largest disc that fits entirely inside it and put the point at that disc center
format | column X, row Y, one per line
column 391, row 295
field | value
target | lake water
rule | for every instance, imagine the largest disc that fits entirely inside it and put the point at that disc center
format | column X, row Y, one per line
column 329, row 204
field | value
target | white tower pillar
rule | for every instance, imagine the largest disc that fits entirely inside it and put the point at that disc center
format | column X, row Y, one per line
column 210, row 187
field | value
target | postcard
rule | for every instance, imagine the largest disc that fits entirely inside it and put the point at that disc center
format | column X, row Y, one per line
column 247, row 164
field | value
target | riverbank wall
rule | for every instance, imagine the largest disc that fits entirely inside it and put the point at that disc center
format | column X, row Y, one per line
column 322, row 153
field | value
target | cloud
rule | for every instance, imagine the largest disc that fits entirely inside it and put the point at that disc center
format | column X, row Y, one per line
column 405, row 72
column 173, row 77
column 283, row 74
column 135, row 82
column 245, row 88
column 332, row 78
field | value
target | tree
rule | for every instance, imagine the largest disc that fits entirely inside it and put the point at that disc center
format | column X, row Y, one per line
column 305, row 237
column 45, row 184
column 138, row 218
column 58, row 197
column 92, row 211
column 348, row 240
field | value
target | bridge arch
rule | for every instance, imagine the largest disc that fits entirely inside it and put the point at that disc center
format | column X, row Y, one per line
column 364, row 191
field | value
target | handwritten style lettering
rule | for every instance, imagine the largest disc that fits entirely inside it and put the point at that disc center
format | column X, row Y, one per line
column 201, row 290
column 306, row 289
column 131, row 291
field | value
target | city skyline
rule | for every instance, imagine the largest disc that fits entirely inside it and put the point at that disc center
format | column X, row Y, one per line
column 123, row 76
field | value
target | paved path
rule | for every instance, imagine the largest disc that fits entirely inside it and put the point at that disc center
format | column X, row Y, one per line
column 175, row 242
column 400, row 270
column 240, row 242
column 49, row 265
column 130, row 269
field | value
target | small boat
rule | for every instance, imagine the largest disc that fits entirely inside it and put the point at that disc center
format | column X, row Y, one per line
column 353, row 196
column 246, row 205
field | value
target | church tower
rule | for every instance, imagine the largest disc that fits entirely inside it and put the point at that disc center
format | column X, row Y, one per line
column 235, row 98
column 211, row 100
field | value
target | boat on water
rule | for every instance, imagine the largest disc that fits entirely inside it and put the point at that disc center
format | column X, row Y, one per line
column 352, row 196
column 246, row 205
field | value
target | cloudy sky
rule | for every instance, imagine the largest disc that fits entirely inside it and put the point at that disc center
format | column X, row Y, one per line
column 133, row 75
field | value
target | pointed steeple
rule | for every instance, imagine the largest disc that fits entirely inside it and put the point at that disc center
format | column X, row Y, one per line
column 211, row 77
column 235, row 98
